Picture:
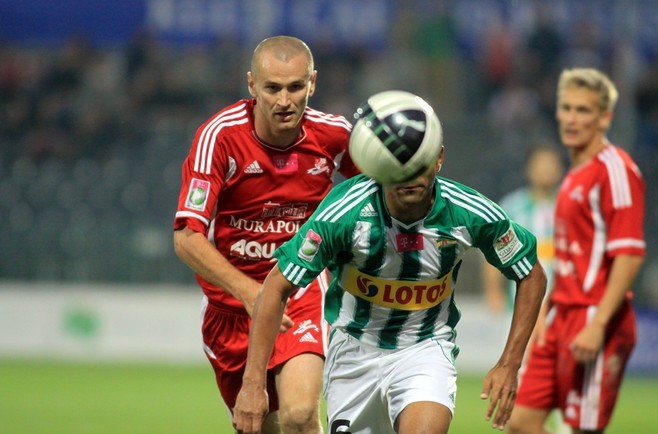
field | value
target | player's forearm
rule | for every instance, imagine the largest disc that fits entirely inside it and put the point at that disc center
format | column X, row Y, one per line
column 198, row 253
column 268, row 311
column 529, row 296
column 625, row 269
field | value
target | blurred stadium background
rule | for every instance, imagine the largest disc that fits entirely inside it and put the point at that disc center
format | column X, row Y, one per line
column 99, row 102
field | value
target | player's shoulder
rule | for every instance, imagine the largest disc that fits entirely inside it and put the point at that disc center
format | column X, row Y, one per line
column 347, row 196
column 326, row 123
column 356, row 185
column 472, row 206
column 615, row 160
column 232, row 118
column 450, row 186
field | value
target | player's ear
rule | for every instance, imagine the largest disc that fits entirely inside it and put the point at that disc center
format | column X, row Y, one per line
column 251, row 84
column 439, row 160
column 605, row 121
column 312, row 84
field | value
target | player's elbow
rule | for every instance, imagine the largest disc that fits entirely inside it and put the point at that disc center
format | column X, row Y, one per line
column 181, row 242
column 543, row 283
column 539, row 279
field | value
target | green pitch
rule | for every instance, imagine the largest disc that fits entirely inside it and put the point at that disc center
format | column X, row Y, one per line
column 66, row 398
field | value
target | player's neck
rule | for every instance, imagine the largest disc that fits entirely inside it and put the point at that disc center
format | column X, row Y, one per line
column 408, row 212
column 280, row 138
column 581, row 155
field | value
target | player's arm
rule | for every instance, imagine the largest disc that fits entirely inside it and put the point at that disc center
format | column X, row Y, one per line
column 198, row 253
column 500, row 383
column 588, row 342
column 252, row 402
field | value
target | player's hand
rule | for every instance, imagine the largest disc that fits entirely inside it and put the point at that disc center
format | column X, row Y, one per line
column 286, row 324
column 499, row 386
column 586, row 345
column 286, row 321
column 251, row 407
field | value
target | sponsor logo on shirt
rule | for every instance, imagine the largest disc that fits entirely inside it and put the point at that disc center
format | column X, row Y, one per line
column 295, row 210
column 396, row 294
column 507, row 245
column 197, row 195
column 254, row 167
column 253, row 250
column 444, row 243
column 319, row 167
column 577, row 194
column 409, row 242
column 368, row 211
column 285, row 163
column 564, row 268
column 259, row 226
column 309, row 247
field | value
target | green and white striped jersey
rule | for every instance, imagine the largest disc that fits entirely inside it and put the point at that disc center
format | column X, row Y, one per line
column 393, row 283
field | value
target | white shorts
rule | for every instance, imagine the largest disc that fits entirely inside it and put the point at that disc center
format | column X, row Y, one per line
column 366, row 388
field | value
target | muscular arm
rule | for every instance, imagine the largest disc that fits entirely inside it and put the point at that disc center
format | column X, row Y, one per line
column 588, row 342
column 198, row 253
column 500, row 383
column 252, row 403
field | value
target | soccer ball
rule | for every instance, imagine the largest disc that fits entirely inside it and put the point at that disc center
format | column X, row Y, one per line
column 396, row 137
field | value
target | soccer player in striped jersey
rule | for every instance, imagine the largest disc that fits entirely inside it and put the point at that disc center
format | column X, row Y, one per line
column 255, row 172
column 533, row 207
column 394, row 252
column 587, row 328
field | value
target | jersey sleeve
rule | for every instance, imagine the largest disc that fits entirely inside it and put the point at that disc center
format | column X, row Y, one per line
column 346, row 166
column 622, row 205
column 509, row 247
column 202, row 178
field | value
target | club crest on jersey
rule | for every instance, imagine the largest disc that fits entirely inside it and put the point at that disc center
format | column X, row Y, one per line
column 409, row 242
column 197, row 195
column 285, row 163
column 310, row 246
column 319, row 167
column 507, row 245
column 444, row 243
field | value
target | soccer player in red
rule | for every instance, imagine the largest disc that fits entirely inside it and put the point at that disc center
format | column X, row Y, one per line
column 587, row 331
column 256, row 171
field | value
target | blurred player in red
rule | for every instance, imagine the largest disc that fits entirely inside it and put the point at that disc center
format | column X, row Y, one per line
column 587, row 330
column 256, row 171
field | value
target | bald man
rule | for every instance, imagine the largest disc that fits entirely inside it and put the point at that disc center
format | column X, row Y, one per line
column 256, row 171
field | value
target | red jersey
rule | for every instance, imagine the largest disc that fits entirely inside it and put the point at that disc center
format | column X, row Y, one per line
column 248, row 197
column 599, row 214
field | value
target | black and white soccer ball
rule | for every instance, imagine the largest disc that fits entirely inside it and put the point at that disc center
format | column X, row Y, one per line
column 396, row 137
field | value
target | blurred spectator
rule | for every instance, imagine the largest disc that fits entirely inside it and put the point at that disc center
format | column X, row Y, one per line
column 532, row 206
column 646, row 101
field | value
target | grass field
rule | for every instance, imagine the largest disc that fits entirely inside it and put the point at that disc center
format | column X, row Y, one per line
column 68, row 398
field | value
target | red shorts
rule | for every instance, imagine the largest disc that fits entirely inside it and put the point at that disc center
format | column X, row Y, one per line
column 225, row 337
column 586, row 393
